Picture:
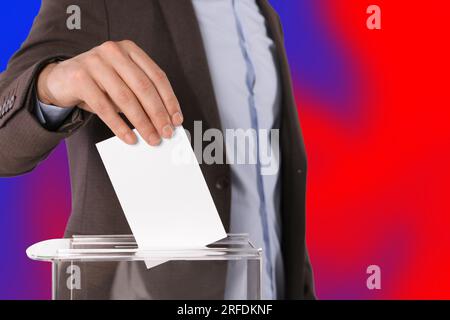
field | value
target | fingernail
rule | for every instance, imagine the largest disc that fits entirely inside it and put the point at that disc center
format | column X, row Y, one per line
column 154, row 140
column 177, row 119
column 130, row 138
column 167, row 132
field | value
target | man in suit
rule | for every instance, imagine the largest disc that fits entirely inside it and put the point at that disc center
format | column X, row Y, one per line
column 153, row 65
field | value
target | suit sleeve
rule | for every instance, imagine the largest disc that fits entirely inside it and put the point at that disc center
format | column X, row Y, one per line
column 24, row 142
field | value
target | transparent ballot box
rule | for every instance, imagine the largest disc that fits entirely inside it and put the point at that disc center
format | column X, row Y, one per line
column 113, row 267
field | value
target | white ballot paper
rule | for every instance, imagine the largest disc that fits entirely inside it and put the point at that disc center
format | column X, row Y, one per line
column 163, row 193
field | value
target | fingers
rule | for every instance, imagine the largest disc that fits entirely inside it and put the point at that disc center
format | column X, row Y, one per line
column 97, row 100
column 119, row 76
column 159, row 79
column 145, row 92
column 125, row 99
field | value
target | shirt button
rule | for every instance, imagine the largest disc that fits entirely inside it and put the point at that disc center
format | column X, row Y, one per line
column 222, row 184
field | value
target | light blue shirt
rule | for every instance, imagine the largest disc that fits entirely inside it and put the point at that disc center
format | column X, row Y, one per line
column 243, row 67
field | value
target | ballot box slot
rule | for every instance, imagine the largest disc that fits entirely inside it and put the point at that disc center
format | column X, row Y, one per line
column 125, row 247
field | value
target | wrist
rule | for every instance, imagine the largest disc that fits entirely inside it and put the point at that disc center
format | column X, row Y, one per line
column 43, row 93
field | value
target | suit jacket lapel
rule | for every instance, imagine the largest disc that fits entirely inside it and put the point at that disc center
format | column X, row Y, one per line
column 187, row 39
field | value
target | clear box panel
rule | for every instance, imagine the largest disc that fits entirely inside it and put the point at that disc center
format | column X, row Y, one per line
column 112, row 267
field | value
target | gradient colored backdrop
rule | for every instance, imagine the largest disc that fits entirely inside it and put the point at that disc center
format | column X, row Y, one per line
column 375, row 109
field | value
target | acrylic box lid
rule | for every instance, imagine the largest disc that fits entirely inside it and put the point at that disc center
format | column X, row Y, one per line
column 124, row 248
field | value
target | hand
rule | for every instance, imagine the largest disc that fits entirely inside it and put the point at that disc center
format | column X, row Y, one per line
column 115, row 77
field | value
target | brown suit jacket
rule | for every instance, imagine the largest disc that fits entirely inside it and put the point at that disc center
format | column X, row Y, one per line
column 168, row 31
